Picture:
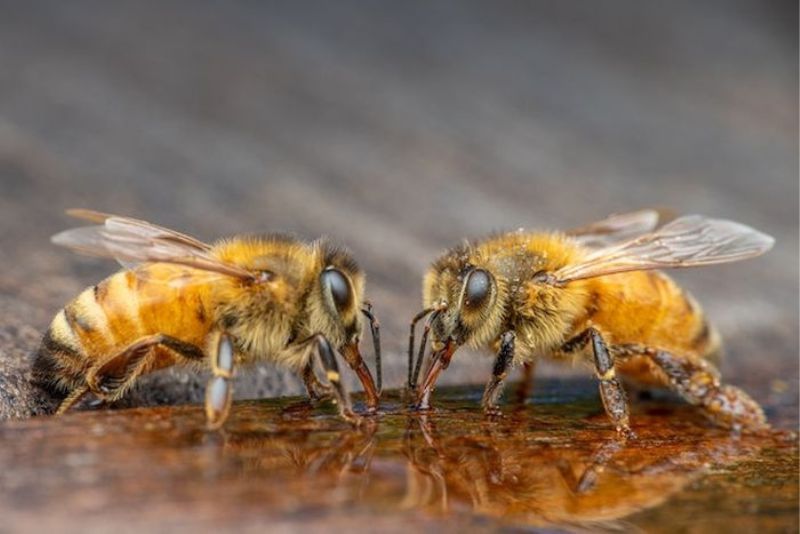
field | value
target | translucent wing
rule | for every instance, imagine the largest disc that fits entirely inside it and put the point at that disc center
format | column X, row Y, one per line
column 616, row 228
column 132, row 241
column 689, row 241
column 143, row 227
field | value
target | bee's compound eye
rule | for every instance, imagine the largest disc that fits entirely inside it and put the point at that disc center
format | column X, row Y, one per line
column 338, row 287
column 478, row 288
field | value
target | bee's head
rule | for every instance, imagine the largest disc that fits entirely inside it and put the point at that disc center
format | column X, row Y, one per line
column 335, row 298
column 339, row 304
column 335, row 309
column 467, row 303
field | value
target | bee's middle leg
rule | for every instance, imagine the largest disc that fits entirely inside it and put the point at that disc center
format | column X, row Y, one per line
column 525, row 386
column 612, row 393
column 505, row 356
column 316, row 389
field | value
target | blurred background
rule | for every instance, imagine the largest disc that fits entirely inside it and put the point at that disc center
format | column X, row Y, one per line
column 399, row 128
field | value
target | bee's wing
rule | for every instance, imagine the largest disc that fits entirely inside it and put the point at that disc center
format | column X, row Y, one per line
column 143, row 227
column 689, row 241
column 131, row 242
column 616, row 228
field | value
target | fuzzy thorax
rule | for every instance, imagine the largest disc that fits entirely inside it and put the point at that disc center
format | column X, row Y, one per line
column 541, row 314
column 271, row 318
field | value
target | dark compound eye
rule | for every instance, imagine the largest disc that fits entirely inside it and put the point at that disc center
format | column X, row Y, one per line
column 336, row 284
column 478, row 288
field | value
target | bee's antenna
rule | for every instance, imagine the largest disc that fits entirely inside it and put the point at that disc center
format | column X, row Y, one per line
column 375, row 328
column 417, row 318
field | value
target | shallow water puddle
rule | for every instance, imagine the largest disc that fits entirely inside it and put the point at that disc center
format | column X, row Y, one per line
column 546, row 464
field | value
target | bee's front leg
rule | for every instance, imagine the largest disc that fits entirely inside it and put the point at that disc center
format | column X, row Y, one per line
column 219, row 391
column 499, row 372
column 327, row 358
column 611, row 390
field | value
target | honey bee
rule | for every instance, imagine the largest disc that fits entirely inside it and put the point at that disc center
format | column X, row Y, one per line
column 184, row 302
column 528, row 295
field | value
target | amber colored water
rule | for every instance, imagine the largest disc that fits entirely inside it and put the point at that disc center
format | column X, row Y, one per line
column 552, row 465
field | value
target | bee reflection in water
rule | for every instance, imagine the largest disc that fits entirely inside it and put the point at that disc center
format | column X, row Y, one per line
column 443, row 465
column 501, row 475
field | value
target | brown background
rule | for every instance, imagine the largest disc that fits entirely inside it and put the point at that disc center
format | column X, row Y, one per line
column 399, row 128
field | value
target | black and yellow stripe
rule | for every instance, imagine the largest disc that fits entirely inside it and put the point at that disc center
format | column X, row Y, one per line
column 107, row 318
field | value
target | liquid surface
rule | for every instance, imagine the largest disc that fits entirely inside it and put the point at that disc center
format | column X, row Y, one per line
column 552, row 464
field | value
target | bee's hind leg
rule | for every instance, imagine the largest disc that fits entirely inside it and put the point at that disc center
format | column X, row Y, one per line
column 115, row 375
column 697, row 382
column 70, row 400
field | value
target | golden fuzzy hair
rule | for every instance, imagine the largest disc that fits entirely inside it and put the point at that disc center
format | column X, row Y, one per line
column 513, row 259
column 291, row 306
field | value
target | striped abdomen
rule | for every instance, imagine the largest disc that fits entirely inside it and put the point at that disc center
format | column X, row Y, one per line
column 107, row 318
column 648, row 308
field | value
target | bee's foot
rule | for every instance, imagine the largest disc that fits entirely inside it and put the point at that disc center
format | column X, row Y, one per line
column 320, row 399
column 213, row 426
column 423, row 407
column 492, row 412
column 320, row 393
column 626, row 433
column 352, row 418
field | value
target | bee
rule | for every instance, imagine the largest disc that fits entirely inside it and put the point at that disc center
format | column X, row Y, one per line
column 180, row 301
column 594, row 294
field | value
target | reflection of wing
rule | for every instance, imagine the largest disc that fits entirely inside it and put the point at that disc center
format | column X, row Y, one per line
column 685, row 242
column 616, row 228
column 131, row 241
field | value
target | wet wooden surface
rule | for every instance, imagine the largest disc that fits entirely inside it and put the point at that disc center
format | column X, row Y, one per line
column 399, row 129
column 553, row 464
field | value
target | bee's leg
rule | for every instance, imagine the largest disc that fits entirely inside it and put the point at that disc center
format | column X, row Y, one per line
column 356, row 362
column 697, row 381
column 611, row 390
column 501, row 364
column 316, row 389
column 526, row 384
column 74, row 396
column 327, row 358
column 116, row 375
column 219, row 391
